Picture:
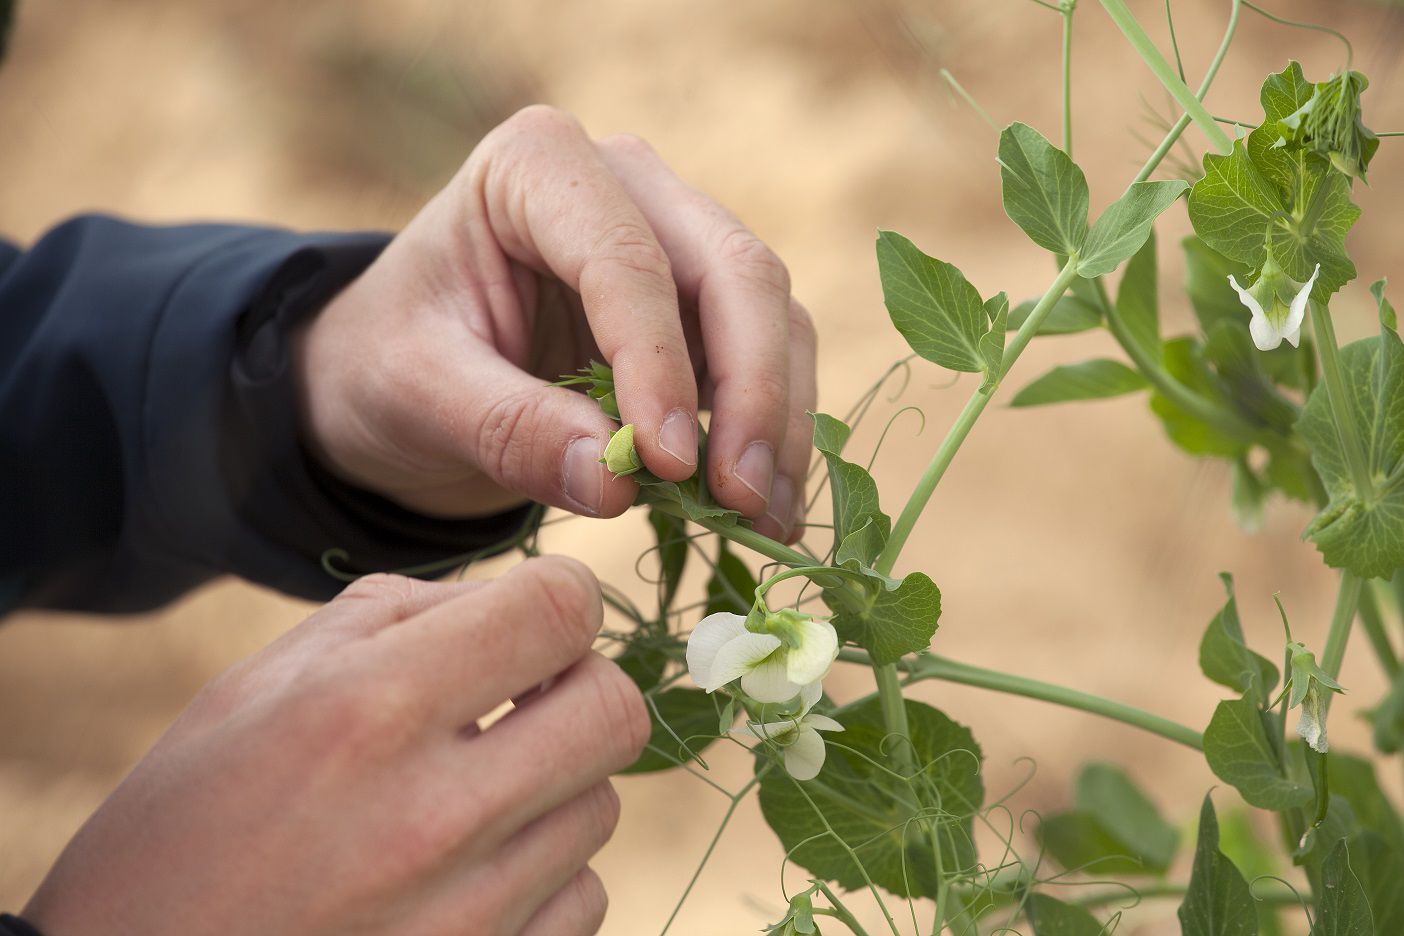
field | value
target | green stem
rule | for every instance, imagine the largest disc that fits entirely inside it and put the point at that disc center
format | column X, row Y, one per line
column 1067, row 10
column 741, row 536
column 1162, row 70
column 1184, row 121
column 1373, row 622
column 1347, row 601
column 839, row 911
column 1351, row 446
column 712, row 846
column 926, row 486
column 934, row 667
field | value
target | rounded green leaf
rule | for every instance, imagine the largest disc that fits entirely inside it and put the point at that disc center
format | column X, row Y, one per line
column 1045, row 193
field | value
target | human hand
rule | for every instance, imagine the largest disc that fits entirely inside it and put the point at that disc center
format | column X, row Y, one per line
column 337, row 782
column 425, row 379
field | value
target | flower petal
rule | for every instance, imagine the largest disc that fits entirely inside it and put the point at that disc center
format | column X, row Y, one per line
column 1292, row 328
column 804, row 758
column 822, row 723
column 810, row 661
column 711, row 633
column 1266, row 335
column 778, row 731
column 767, row 682
column 1246, row 297
column 738, row 657
column 810, row 694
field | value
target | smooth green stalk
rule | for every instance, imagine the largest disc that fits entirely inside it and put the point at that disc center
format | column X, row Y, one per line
column 1347, row 601
column 1351, row 446
column 1373, row 622
column 1163, row 71
column 934, row 667
column 1067, row 10
column 839, row 911
column 1179, row 126
column 926, row 486
column 742, row 536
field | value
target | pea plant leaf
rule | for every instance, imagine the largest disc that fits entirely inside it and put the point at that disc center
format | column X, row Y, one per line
column 1342, row 908
column 1114, row 829
column 1069, row 316
column 1045, row 192
column 684, row 723
column 932, row 304
column 1218, row 901
column 992, row 343
column 1224, row 656
column 866, row 809
column 1206, row 282
column 1318, row 235
column 1363, row 534
column 1089, row 380
column 889, row 618
column 1239, row 751
column 1380, row 868
column 1233, row 206
column 1125, row 225
column 855, row 494
column 1184, row 359
column 1052, row 917
column 1138, row 300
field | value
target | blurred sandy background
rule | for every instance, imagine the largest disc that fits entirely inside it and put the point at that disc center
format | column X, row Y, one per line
column 1070, row 542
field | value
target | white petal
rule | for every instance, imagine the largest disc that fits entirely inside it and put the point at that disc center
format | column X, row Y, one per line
column 822, row 723
column 738, row 656
column 805, row 757
column 810, row 694
column 1246, row 297
column 1266, row 335
column 810, row 661
column 1292, row 328
column 767, row 681
column 778, row 731
column 711, row 633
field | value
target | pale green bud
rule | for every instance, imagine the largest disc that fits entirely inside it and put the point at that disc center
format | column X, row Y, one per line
column 619, row 454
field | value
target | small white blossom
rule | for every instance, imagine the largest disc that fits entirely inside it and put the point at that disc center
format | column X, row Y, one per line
column 1272, row 320
column 792, row 652
column 798, row 736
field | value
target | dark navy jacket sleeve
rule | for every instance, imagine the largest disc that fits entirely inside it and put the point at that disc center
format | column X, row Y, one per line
column 148, row 431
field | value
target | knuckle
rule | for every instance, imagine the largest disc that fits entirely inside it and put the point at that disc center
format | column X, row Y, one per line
column 382, row 588
column 543, row 119
column 360, row 717
column 621, row 711
column 628, row 143
column 632, row 246
column 604, row 809
column 591, row 898
column 504, row 435
column 748, row 255
column 802, row 325
column 765, row 384
column 571, row 597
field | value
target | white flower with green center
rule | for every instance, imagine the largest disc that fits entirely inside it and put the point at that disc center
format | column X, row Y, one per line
column 798, row 735
column 1278, row 305
column 784, row 653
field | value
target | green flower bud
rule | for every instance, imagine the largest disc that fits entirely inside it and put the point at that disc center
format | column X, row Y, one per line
column 1309, row 686
column 619, row 454
column 1330, row 124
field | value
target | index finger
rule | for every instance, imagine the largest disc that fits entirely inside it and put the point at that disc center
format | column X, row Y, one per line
column 554, row 205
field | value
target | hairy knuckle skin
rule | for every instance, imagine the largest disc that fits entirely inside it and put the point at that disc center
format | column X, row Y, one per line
column 604, row 811
column 591, row 898
column 748, row 255
column 380, row 587
column 632, row 246
column 571, row 596
column 802, row 325
column 543, row 119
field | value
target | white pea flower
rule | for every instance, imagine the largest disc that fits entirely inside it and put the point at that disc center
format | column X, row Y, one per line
column 786, row 653
column 798, row 736
column 1309, row 686
column 1273, row 318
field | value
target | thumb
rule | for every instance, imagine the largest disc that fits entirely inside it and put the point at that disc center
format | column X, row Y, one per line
column 540, row 441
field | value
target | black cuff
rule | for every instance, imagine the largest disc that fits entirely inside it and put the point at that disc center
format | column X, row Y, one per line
column 282, row 491
column 14, row 926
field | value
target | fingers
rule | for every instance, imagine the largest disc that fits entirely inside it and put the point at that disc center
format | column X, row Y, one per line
column 784, row 519
column 554, row 205
column 742, row 291
column 591, row 723
column 578, row 909
column 374, row 602
column 540, row 441
column 467, row 656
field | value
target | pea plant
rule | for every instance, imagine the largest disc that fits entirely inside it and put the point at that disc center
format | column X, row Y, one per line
column 880, row 798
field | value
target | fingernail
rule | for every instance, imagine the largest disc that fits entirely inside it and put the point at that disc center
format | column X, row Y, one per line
column 782, row 502
column 583, row 475
column 678, row 437
column 756, row 469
